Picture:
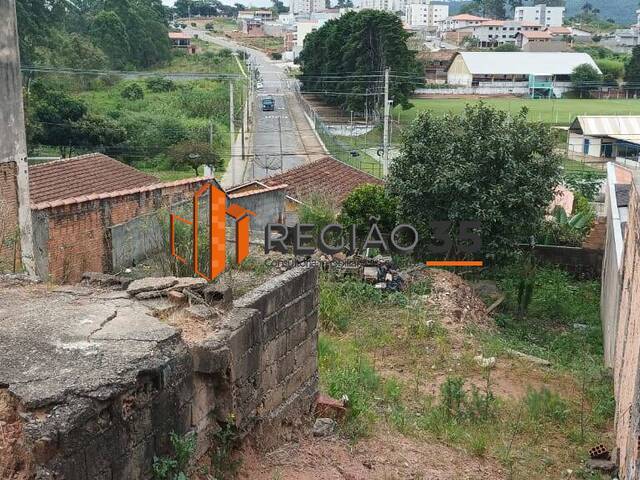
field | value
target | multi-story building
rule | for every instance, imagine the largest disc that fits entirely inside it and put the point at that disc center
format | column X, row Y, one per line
column 456, row 22
column 492, row 33
column 540, row 14
column 428, row 14
column 385, row 5
column 305, row 7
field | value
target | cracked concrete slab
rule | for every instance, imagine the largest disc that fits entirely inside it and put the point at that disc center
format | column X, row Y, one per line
column 54, row 344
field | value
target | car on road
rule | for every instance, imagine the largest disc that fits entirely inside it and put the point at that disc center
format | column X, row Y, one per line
column 259, row 85
column 268, row 104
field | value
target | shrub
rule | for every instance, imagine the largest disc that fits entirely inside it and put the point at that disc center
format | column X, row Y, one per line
column 159, row 84
column 365, row 202
column 175, row 467
column 132, row 91
column 276, row 56
column 318, row 210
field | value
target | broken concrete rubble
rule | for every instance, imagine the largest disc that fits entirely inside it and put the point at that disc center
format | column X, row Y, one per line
column 94, row 383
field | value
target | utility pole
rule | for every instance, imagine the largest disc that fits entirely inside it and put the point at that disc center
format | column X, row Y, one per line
column 385, row 131
column 14, row 171
column 280, row 138
column 232, row 132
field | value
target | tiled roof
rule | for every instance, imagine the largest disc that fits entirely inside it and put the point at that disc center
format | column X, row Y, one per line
column 326, row 176
column 541, row 35
column 89, row 174
column 467, row 17
column 179, row 36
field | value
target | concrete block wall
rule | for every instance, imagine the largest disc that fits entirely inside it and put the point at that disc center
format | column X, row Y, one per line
column 257, row 371
column 264, row 356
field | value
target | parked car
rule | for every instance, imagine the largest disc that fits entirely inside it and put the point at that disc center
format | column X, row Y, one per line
column 259, row 85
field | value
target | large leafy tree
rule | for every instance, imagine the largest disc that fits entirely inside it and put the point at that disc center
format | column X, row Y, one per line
column 482, row 165
column 632, row 70
column 194, row 154
column 585, row 77
column 345, row 59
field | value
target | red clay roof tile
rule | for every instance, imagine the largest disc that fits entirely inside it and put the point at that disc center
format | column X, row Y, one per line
column 326, row 176
column 83, row 176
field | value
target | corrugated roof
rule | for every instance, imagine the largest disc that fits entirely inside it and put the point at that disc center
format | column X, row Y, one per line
column 326, row 176
column 608, row 125
column 525, row 63
column 90, row 174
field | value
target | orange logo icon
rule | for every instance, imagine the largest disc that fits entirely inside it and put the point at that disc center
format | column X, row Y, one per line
column 218, row 211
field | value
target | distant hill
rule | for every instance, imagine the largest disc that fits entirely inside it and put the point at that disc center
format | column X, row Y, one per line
column 622, row 11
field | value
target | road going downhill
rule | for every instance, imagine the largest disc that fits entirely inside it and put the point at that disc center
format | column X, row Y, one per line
column 281, row 139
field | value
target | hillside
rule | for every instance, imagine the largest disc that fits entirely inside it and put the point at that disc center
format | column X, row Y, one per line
column 622, row 11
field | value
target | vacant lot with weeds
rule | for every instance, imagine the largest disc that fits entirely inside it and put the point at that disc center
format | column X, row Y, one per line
column 419, row 364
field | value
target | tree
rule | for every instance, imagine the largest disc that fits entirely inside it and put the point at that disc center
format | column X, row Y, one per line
column 585, row 77
column 279, row 7
column 193, row 155
column 612, row 70
column 482, row 165
column 365, row 202
column 95, row 130
column 109, row 32
column 632, row 70
column 55, row 113
column 368, row 41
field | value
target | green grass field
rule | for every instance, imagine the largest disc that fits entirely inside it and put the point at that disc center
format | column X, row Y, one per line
column 556, row 112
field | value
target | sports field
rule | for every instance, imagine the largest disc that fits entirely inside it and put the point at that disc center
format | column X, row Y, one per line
column 556, row 112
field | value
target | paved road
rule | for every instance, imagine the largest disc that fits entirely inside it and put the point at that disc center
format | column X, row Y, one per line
column 281, row 139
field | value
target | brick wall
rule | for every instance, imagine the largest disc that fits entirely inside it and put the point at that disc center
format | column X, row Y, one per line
column 8, row 214
column 71, row 239
column 627, row 348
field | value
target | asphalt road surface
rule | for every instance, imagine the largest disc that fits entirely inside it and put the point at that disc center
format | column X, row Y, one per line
column 281, row 139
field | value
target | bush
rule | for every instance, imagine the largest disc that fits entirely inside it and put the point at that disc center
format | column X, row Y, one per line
column 318, row 210
column 276, row 56
column 132, row 91
column 365, row 202
column 159, row 84
column 209, row 26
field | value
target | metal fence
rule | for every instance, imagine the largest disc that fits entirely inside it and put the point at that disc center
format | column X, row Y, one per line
column 350, row 153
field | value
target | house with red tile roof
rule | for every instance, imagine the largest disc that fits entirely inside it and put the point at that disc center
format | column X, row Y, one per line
column 76, row 202
column 326, row 177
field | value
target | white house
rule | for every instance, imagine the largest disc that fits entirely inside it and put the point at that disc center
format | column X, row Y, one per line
column 425, row 14
column 537, row 74
column 384, row 5
column 305, row 7
column 540, row 14
column 606, row 137
column 456, row 22
column 498, row 32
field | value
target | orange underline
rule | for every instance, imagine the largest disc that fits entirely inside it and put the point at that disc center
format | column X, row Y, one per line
column 454, row 263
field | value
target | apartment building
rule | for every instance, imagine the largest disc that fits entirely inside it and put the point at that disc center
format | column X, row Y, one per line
column 540, row 14
column 428, row 14
column 492, row 33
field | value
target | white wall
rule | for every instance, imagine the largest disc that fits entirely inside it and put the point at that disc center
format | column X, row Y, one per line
column 540, row 14
column 425, row 15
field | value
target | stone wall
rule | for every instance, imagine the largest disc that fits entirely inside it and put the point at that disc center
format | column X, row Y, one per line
column 121, row 381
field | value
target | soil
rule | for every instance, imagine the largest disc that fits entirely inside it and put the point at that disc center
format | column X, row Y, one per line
column 385, row 455
column 14, row 460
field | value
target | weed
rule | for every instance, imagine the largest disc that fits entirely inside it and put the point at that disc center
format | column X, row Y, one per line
column 175, row 467
column 225, row 440
column 453, row 397
column 544, row 404
column 478, row 443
